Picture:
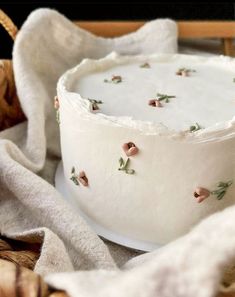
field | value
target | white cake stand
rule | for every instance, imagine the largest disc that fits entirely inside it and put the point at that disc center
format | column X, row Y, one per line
column 61, row 186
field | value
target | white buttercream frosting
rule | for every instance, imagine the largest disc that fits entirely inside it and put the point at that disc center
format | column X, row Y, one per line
column 155, row 204
column 206, row 96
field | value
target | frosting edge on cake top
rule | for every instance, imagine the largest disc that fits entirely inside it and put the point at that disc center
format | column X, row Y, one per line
column 83, row 106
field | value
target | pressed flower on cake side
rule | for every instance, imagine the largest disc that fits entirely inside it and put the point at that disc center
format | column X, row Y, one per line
column 201, row 193
column 130, row 150
column 79, row 178
column 57, row 106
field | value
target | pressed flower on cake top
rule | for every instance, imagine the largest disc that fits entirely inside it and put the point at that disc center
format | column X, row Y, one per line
column 156, row 102
column 115, row 79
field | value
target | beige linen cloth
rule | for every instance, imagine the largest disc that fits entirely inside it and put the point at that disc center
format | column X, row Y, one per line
column 73, row 257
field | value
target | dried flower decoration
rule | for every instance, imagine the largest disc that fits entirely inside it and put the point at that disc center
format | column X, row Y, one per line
column 130, row 149
column 74, row 177
column 115, row 79
column 94, row 104
column 81, row 177
column 57, row 106
column 56, row 103
column 155, row 103
column 123, row 165
column 145, row 65
column 195, row 127
column 201, row 193
column 160, row 97
column 185, row 72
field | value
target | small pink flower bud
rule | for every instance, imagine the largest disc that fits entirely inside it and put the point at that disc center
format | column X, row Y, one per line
column 155, row 103
column 56, row 103
column 130, row 149
column 185, row 73
column 201, row 194
column 83, row 179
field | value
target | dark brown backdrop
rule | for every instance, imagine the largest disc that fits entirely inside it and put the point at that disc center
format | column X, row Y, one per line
column 91, row 10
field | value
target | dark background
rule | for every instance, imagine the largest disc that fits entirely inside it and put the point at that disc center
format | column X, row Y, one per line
column 88, row 10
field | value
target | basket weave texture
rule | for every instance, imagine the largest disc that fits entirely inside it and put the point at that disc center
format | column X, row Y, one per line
column 17, row 260
column 10, row 109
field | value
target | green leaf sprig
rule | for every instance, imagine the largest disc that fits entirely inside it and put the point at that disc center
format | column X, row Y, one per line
column 94, row 103
column 74, row 176
column 164, row 97
column 145, row 65
column 124, row 165
column 195, row 127
column 58, row 116
column 222, row 189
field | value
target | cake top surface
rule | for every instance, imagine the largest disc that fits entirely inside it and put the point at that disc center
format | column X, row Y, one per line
column 179, row 92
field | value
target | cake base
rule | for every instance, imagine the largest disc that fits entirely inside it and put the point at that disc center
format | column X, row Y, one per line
column 61, row 186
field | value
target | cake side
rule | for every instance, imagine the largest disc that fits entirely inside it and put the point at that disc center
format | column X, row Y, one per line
column 142, row 179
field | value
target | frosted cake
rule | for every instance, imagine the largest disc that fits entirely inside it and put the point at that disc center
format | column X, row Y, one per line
column 148, row 143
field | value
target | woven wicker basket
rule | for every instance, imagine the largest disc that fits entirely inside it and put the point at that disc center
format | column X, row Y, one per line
column 10, row 110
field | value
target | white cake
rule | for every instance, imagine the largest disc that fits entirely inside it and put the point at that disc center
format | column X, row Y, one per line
column 142, row 165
